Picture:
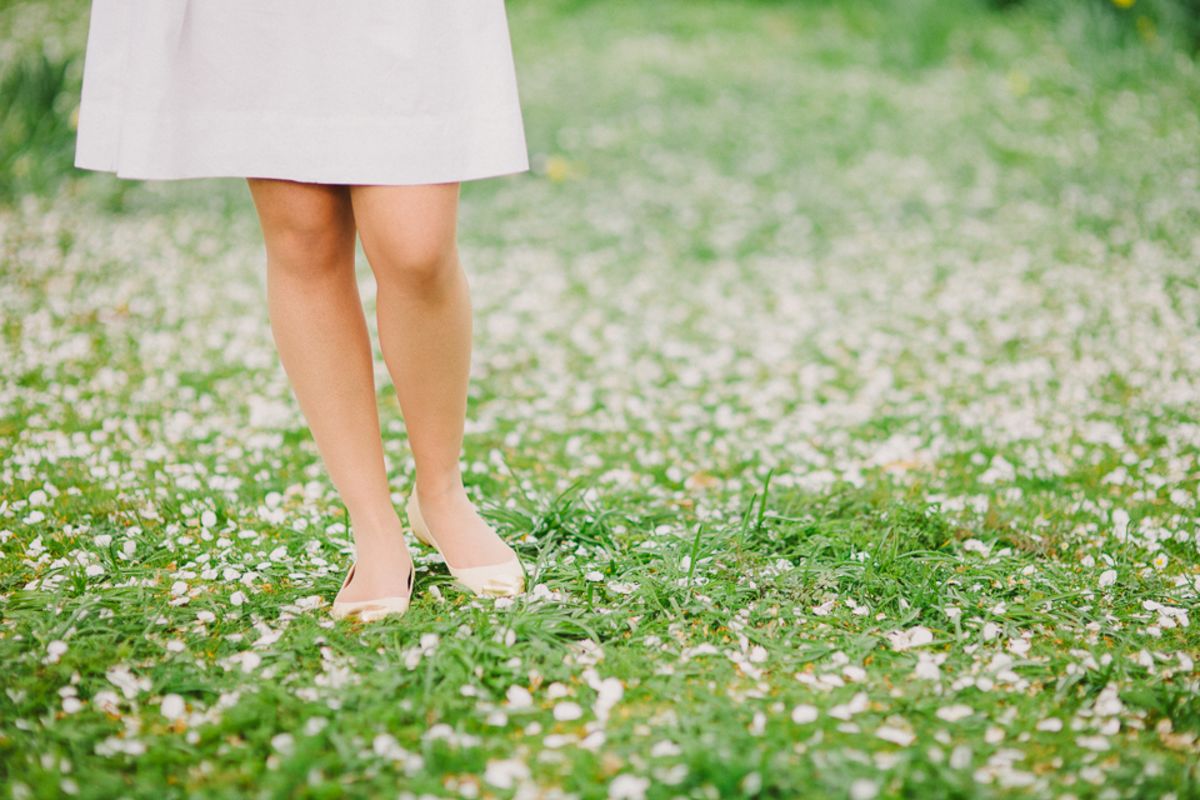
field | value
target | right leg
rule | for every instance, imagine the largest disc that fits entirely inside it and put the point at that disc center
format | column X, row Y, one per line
column 320, row 331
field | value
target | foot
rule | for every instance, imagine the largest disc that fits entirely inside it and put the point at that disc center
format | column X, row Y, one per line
column 465, row 539
column 383, row 564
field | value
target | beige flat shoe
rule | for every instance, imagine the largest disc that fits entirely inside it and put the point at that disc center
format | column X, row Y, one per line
column 492, row 580
column 371, row 610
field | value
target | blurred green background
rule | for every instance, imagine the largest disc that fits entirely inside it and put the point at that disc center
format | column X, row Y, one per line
column 41, row 58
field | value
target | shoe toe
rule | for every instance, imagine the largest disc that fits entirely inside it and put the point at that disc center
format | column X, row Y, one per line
column 504, row 582
column 373, row 610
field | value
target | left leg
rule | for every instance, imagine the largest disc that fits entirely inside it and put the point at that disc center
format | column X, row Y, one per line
column 317, row 321
column 423, row 311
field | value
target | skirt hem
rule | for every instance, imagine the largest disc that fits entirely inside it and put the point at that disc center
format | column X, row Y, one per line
column 480, row 143
column 303, row 177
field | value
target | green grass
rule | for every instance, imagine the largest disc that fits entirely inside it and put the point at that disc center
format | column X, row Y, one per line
column 839, row 388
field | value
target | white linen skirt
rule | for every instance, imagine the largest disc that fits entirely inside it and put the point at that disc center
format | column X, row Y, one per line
column 324, row 91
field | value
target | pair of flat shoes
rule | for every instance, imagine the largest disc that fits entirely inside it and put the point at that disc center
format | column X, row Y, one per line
column 505, row 579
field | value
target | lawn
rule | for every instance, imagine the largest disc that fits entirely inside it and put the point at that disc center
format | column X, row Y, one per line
column 836, row 372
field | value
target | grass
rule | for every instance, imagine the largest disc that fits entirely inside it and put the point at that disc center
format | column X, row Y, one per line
column 841, row 396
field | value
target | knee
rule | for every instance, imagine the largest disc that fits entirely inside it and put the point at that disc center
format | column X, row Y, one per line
column 419, row 263
column 309, row 245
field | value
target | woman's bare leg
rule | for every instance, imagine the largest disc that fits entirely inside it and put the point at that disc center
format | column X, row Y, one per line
column 423, row 309
column 321, row 333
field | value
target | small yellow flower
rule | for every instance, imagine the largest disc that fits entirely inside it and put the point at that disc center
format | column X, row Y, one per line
column 1018, row 83
column 1146, row 28
column 558, row 169
column 1123, row 3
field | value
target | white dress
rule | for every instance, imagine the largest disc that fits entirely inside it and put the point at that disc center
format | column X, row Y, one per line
column 324, row 91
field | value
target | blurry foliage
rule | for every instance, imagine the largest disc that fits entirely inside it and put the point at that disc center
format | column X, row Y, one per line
column 1117, row 23
column 39, row 87
column 37, row 137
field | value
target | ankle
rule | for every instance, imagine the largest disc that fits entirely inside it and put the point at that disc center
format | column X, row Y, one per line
column 434, row 489
column 376, row 527
column 376, row 556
